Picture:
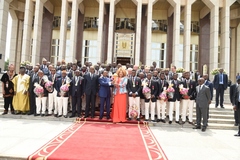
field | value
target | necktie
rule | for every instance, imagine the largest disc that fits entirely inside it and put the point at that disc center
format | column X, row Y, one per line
column 200, row 87
column 34, row 75
column 162, row 83
column 221, row 78
column 91, row 75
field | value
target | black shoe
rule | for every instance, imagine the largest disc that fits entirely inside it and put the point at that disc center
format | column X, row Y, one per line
column 183, row 122
column 100, row 118
column 153, row 120
column 59, row 116
column 24, row 113
column 170, row 122
column 158, row 120
column 85, row 116
column 146, row 120
column 55, row 115
column 108, row 117
column 235, row 124
column 191, row 123
column 42, row 115
column 216, row 106
column 37, row 114
column 29, row 113
column 237, row 135
column 138, row 119
column 222, row 107
column 4, row 113
column 12, row 112
column 203, row 129
column 177, row 122
column 129, row 119
column 72, row 116
column 163, row 121
column 65, row 116
column 197, row 127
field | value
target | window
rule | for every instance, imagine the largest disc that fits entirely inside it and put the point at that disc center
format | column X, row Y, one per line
column 57, row 22
column 55, row 51
column 90, row 53
column 90, row 22
column 194, row 57
column 159, row 54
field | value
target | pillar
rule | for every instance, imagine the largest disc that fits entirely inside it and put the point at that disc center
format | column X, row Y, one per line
column 14, row 37
column 27, row 31
column 100, row 29
column 225, row 35
column 4, row 8
column 46, row 40
column 63, row 29
column 169, row 41
column 233, row 56
column 37, row 31
column 237, row 58
column 111, row 31
column 187, row 34
column 80, row 36
column 149, row 33
column 138, row 32
column 19, row 45
column 73, row 34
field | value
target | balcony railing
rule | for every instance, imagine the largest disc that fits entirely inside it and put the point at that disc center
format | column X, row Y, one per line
column 125, row 24
column 159, row 25
column 91, row 23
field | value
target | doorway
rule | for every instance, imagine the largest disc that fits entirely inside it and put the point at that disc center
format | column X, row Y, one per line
column 123, row 60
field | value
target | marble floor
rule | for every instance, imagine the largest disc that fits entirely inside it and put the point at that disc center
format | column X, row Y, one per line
column 21, row 137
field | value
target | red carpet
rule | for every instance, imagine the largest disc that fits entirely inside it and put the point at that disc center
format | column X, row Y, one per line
column 93, row 141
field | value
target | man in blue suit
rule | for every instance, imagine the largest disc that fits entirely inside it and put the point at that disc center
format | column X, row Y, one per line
column 220, row 83
column 104, row 94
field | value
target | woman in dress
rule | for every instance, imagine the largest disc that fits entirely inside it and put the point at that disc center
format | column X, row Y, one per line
column 120, row 96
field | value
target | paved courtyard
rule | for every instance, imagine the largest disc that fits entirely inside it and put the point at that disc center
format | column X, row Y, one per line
column 21, row 137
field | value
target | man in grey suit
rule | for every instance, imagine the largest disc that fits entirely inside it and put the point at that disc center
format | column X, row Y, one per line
column 203, row 99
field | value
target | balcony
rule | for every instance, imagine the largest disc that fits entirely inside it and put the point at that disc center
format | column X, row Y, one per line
column 159, row 25
column 125, row 23
column 91, row 23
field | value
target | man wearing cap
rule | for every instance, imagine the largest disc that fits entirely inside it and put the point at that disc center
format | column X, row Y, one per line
column 21, row 98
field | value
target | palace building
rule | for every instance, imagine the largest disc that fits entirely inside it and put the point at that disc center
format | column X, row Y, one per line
column 185, row 33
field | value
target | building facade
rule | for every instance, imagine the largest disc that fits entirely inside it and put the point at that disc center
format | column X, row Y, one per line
column 185, row 33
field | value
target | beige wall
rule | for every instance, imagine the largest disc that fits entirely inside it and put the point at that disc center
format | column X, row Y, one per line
column 125, row 13
column 90, row 35
column 159, row 37
column 91, row 12
column 160, row 14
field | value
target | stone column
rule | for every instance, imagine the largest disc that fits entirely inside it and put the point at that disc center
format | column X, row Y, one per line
column 14, row 37
column 176, row 30
column 138, row 32
column 73, row 34
column 214, row 31
column 37, row 31
column 187, row 34
column 111, row 31
column 19, row 45
column 100, row 29
column 233, row 56
column 4, row 8
column 27, row 31
column 225, row 35
column 63, row 29
column 149, row 33
column 237, row 58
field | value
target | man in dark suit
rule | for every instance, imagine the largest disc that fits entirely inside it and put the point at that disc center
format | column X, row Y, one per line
column 237, row 104
column 31, row 93
column 91, row 89
column 209, row 84
column 220, row 83
column 104, row 94
column 153, row 86
column 175, row 100
column 134, row 88
column 76, row 92
column 203, row 99
column 232, row 92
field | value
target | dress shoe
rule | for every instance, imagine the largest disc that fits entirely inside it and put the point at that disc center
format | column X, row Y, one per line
column 24, row 113
column 100, row 118
column 146, row 120
column 203, row 129
column 55, row 115
column 163, row 121
column 170, row 122
column 158, row 120
column 222, row 107
column 216, row 106
column 72, row 116
column 197, row 127
column 42, row 115
column 235, row 124
column 177, row 122
column 237, row 135
column 4, row 113
column 29, row 113
column 190, row 123
column 85, row 116
column 18, row 113
column 12, row 112
column 59, row 116
column 183, row 122
column 129, row 119
column 108, row 117
column 65, row 116
column 37, row 114
column 138, row 119
column 153, row 120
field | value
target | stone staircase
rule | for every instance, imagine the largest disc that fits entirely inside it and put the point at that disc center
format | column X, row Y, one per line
column 218, row 118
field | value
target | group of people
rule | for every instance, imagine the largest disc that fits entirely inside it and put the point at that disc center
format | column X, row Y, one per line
column 152, row 94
